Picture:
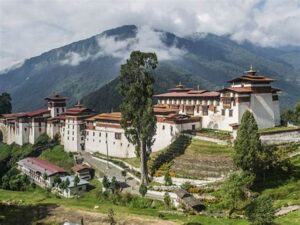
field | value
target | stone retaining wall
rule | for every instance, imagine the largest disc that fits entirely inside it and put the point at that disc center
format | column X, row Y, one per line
column 281, row 137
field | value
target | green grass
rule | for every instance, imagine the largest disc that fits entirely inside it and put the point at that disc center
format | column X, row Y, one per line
column 58, row 156
column 212, row 133
column 205, row 147
column 277, row 129
column 90, row 200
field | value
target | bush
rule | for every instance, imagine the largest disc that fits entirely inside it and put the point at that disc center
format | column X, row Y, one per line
column 261, row 211
column 143, row 190
column 141, row 203
column 168, row 179
column 167, row 199
column 175, row 149
column 186, row 186
column 43, row 139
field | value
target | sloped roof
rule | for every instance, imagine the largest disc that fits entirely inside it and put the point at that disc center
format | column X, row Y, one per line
column 42, row 166
column 79, row 167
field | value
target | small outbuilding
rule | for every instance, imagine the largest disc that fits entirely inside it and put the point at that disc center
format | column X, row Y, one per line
column 83, row 171
column 73, row 189
column 189, row 201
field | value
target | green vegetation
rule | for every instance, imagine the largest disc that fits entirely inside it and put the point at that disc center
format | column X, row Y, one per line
column 212, row 133
column 201, row 159
column 58, row 156
column 261, row 211
column 5, row 103
column 143, row 190
column 175, row 149
column 277, row 129
column 291, row 116
column 138, row 119
column 235, row 189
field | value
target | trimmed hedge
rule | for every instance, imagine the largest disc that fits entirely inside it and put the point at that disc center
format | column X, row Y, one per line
column 174, row 150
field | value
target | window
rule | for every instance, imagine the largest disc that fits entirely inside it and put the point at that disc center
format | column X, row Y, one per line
column 163, row 127
column 230, row 112
column 57, row 110
column 40, row 129
column 87, row 133
column 118, row 136
column 205, row 110
column 171, row 129
column 25, row 129
column 72, row 138
column 72, row 132
column 68, row 132
column 63, row 109
column 68, row 138
column 223, row 112
column 82, row 138
column 193, row 127
column 93, row 134
column 99, row 134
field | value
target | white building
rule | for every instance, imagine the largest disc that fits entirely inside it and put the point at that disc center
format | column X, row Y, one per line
column 177, row 110
column 224, row 109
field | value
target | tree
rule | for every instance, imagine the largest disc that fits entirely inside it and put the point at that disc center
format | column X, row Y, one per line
column 234, row 190
column 168, row 179
column 260, row 211
column 143, row 190
column 113, row 185
column 76, row 182
column 167, row 199
column 57, row 180
column 105, row 182
column 247, row 145
column 111, row 217
column 45, row 177
column 5, row 103
column 124, row 174
column 138, row 119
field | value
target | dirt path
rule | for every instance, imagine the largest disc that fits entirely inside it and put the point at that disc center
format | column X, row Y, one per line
column 62, row 214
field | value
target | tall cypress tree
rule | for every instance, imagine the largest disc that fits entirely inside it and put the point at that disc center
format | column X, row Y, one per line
column 138, row 119
column 5, row 103
column 247, row 145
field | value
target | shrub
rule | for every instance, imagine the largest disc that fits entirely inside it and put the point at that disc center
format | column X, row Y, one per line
column 105, row 182
column 186, row 186
column 261, row 211
column 141, row 203
column 43, row 139
column 175, row 149
column 143, row 190
column 168, row 179
column 167, row 199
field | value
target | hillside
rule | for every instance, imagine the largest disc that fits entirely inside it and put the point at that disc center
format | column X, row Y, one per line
column 84, row 67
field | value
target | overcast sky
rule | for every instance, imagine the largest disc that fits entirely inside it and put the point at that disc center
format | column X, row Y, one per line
column 30, row 27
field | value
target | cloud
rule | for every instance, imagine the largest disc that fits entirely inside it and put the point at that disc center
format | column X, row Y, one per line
column 146, row 40
column 29, row 28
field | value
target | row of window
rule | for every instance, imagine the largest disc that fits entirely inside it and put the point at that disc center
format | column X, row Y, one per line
column 230, row 112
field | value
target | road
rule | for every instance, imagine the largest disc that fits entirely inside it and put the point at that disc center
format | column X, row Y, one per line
column 110, row 171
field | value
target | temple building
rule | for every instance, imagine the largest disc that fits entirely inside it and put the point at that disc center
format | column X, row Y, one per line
column 180, row 109
column 223, row 109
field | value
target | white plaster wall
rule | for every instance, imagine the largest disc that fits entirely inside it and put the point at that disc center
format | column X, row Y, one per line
column 36, row 130
column 97, row 141
column 276, row 112
column 73, row 135
column 261, row 106
column 281, row 137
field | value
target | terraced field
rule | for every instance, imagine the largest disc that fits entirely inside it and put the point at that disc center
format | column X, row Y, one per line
column 203, row 159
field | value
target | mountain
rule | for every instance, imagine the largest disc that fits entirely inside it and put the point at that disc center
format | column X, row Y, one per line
column 88, row 69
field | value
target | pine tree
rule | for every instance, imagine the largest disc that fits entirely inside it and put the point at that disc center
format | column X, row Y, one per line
column 138, row 119
column 247, row 145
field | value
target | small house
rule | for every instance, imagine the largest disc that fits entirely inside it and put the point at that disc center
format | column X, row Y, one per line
column 83, row 171
column 189, row 201
column 73, row 189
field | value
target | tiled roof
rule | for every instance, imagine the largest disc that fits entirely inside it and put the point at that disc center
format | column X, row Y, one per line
column 249, row 77
column 237, row 89
column 80, row 167
column 56, row 97
column 71, row 180
column 42, row 166
column 192, row 93
column 37, row 112
column 115, row 116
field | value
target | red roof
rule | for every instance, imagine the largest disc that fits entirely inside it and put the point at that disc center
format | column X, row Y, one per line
column 80, row 167
column 37, row 112
column 56, row 97
column 191, row 93
column 252, row 77
column 41, row 166
column 238, row 89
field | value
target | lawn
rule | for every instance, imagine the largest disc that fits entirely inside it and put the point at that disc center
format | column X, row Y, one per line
column 211, row 133
column 277, row 129
column 58, row 156
column 203, row 159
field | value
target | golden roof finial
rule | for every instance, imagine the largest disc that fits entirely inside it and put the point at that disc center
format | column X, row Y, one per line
column 251, row 70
